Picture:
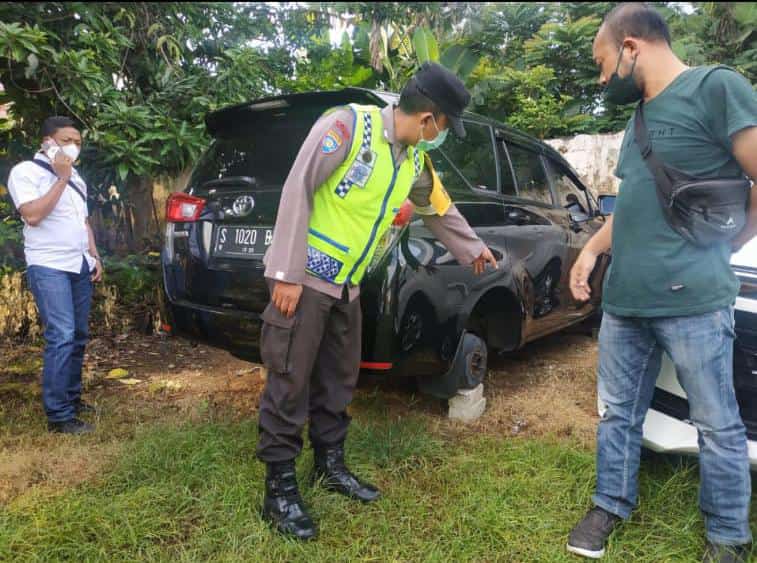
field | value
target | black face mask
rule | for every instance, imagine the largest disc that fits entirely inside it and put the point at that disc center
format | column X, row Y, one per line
column 622, row 91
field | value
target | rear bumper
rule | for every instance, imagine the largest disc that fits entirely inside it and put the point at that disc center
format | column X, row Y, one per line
column 235, row 331
column 672, row 434
column 663, row 433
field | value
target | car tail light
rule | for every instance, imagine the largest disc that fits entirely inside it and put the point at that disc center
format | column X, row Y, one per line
column 405, row 214
column 183, row 208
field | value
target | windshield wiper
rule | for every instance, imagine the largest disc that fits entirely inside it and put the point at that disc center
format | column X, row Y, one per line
column 230, row 181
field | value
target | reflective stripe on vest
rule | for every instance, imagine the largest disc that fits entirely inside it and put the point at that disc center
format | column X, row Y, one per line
column 353, row 208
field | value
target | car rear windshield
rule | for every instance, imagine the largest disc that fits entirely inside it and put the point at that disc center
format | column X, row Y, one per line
column 263, row 148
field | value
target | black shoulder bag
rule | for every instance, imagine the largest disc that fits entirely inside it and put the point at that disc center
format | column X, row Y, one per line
column 703, row 211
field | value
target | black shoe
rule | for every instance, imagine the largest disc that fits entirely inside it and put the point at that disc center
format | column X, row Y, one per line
column 330, row 467
column 589, row 537
column 283, row 506
column 718, row 553
column 85, row 408
column 73, row 426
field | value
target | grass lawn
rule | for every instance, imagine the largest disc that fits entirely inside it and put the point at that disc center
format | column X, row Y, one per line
column 170, row 473
column 190, row 491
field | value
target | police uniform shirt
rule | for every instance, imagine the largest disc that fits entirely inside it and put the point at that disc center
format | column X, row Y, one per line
column 315, row 163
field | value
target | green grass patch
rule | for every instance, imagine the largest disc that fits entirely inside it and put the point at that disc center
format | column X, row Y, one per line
column 192, row 493
column 27, row 365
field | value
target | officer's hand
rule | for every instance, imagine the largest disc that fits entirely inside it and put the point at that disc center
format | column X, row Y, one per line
column 62, row 165
column 286, row 296
column 479, row 264
column 579, row 275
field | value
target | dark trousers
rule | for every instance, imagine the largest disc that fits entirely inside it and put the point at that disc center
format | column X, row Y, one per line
column 313, row 362
column 63, row 300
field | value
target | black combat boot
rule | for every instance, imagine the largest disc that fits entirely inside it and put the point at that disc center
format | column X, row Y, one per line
column 283, row 506
column 330, row 467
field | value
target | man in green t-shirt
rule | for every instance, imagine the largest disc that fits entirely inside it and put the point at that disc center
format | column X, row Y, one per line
column 663, row 294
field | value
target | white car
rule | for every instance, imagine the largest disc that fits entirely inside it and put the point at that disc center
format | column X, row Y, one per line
column 667, row 428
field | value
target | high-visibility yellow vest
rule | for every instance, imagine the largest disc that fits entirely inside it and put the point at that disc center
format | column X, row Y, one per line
column 353, row 208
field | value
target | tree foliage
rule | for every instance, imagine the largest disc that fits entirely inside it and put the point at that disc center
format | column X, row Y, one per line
column 137, row 77
column 140, row 77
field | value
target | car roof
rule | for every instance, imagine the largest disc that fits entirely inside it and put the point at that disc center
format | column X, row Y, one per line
column 216, row 120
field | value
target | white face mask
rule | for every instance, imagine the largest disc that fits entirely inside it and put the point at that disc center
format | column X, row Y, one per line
column 71, row 151
column 51, row 148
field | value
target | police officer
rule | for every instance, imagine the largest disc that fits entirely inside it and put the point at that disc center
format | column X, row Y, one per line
column 353, row 172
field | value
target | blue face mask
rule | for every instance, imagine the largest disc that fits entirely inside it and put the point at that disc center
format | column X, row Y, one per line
column 434, row 143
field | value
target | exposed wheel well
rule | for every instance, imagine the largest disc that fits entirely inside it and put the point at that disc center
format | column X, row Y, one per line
column 418, row 304
column 498, row 319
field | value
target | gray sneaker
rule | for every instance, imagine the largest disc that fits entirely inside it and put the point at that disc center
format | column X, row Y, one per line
column 717, row 553
column 589, row 537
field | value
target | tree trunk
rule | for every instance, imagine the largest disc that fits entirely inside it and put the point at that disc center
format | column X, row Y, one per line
column 146, row 230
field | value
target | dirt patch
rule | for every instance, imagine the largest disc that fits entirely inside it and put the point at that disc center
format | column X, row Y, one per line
column 28, row 467
column 547, row 388
column 166, row 380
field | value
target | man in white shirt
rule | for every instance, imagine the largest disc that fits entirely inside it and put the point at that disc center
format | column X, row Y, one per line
column 62, row 261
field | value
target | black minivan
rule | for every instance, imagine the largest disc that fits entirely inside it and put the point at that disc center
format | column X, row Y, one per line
column 424, row 315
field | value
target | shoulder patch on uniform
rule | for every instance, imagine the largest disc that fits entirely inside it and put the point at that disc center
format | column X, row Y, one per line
column 343, row 129
column 331, row 142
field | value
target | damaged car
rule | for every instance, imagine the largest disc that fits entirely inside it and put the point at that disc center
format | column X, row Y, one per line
column 424, row 315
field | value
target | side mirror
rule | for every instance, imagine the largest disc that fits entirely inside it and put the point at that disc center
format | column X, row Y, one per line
column 606, row 205
column 579, row 216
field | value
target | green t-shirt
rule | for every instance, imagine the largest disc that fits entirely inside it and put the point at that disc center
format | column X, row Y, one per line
column 654, row 271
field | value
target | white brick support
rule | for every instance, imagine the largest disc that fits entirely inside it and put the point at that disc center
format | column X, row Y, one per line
column 468, row 405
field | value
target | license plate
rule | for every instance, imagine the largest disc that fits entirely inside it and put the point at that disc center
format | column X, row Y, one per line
column 241, row 242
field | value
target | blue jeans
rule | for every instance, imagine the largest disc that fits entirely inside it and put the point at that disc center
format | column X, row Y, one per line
column 701, row 348
column 63, row 300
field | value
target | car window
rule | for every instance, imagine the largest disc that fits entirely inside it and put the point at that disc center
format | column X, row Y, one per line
column 529, row 173
column 506, row 180
column 448, row 173
column 248, row 151
column 472, row 156
column 569, row 195
column 482, row 213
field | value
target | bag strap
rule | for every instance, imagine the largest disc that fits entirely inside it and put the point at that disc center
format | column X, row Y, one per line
column 659, row 171
column 718, row 67
column 46, row 166
column 656, row 167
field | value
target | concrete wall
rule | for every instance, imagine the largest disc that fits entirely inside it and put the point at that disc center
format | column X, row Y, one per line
column 594, row 157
